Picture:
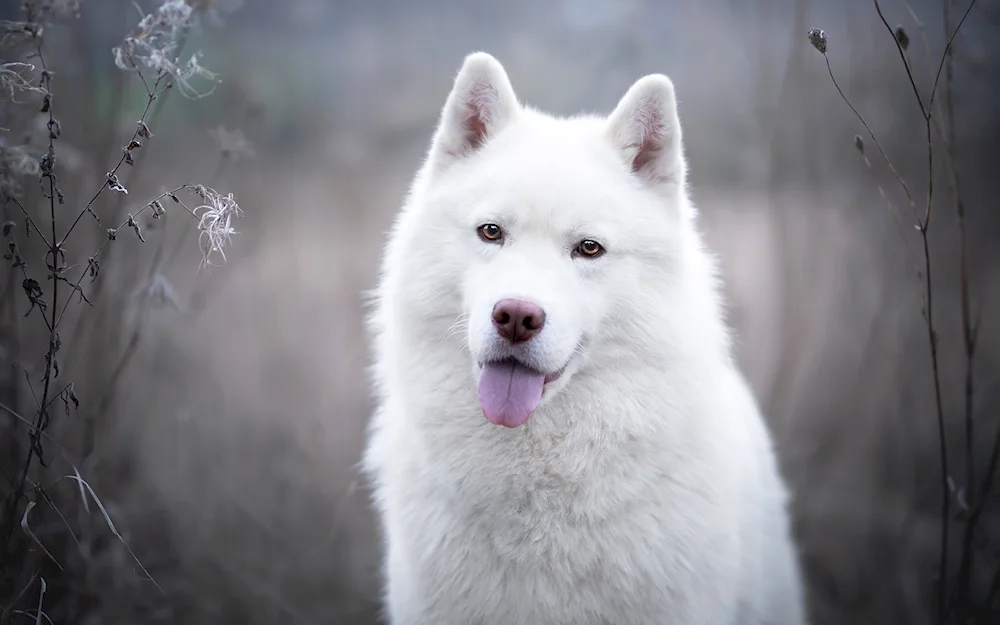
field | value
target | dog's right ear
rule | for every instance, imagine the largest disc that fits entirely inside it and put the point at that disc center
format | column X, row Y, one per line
column 481, row 103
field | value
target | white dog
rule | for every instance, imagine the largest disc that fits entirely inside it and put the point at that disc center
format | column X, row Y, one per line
column 562, row 436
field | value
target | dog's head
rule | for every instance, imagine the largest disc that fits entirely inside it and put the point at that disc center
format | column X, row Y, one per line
column 551, row 238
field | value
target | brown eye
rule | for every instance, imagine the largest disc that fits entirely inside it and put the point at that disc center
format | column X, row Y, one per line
column 491, row 233
column 589, row 248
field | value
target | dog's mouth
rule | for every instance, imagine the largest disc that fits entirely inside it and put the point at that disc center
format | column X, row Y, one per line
column 509, row 390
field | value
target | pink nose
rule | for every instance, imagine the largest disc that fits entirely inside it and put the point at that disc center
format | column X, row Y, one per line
column 518, row 320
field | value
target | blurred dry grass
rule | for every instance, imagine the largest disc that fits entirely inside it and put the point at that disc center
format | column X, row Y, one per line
column 226, row 453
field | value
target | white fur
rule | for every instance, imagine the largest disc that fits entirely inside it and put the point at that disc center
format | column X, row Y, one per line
column 644, row 488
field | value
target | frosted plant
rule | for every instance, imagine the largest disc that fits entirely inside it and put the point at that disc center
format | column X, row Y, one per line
column 817, row 37
column 154, row 45
column 215, row 222
column 16, row 76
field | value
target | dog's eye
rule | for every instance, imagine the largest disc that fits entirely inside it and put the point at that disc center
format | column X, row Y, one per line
column 589, row 248
column 491, row 233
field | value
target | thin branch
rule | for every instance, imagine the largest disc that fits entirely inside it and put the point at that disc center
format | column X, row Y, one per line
column 906, row 63
column 976, row 500
column 30, row 221
column 871, row 133
column 13, row 413
column 151, row 96
column 55, row 251
column 986, row 487
column 947, row 49
column 83, row 274
column 923, row 227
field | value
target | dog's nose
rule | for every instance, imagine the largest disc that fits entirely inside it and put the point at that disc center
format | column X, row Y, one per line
column 517, row 320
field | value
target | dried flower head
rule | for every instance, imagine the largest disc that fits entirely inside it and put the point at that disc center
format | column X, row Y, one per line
column 215, row 221
column 902, row 38
column 154, row 42
column 114, row 184
column 16, row 76
column 818, row 39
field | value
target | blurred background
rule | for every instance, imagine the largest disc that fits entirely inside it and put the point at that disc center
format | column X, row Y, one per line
column 222, row 409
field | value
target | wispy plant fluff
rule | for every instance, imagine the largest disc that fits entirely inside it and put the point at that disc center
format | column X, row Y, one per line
column 154, row 45
column 16, row 76
column 215, row 222
column 151, row 52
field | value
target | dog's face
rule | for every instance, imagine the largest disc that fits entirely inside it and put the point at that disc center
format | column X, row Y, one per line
column 541, row 254
column 550, row 229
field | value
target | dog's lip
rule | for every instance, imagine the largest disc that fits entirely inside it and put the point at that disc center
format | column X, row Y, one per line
column 552, row 377
column 549, row 377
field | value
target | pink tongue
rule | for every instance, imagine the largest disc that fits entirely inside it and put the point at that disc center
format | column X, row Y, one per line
column 509, row 392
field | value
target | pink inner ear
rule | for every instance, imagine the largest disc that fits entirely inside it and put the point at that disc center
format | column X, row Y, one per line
column 651, row 133
column 479, row 104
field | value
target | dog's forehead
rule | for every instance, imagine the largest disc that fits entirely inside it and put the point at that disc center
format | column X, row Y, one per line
column 555, row 205
column 551, row 183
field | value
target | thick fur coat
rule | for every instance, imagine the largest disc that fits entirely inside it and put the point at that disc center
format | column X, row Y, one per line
column 562, row 436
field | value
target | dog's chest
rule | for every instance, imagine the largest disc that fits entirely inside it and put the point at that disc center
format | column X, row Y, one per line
column 551, row 533
column 538, row 552
column 542, row 509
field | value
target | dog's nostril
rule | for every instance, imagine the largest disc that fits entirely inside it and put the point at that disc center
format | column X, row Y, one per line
column 518, row 320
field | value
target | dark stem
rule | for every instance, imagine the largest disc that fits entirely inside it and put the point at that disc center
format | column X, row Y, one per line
column 947, row 50
column 55, row 252
column 151, row 95
column 935, row 367
column 885, row 157
column 942, row 437
column 906, row 62
column 967, row 564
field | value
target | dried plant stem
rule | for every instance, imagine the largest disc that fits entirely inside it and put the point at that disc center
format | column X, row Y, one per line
column 978, row 507
column 885, row 157
column 122, row 225
column 151, row 95
column 932, row 340
column 31, row 222
column 960, row 596
column 906, row 62
column 976, row 500
column 942, row 436
column 923, row 227
column 55, row 255
column 150, row 49
column 153, row 117
column 111, row 387
column 968, row 340
column 947, row 51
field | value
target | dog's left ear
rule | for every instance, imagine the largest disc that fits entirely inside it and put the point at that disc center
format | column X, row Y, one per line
column 480, row 105
column 646, row 129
